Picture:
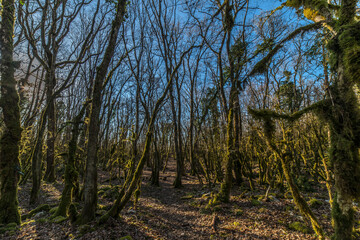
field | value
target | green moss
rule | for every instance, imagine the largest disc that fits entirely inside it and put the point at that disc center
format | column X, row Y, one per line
column 27, row 222
column 102, row 207
column 349, row 42
column 261, row 197
column 58, row 219
column 343, row 223
column 44, row 207
column 137, row 193
column 293, row 3
column 109, row 192
column 53, row 210
column 188, row 196
column 9, row 227
column 205, row 196
column 42, row 220
column 300, row 227
column 315, row 203
column 104, row 188
column 213, row 202
column 128, row 237
column 195, row 203
column 313, row 4
column 255, row 202
column 268, row 118
column 345, row 157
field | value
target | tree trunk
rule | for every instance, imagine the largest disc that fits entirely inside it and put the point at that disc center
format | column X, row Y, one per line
column 177, row 182
column 71, row 173
column 155, row 174
column 237, row 133
column 344, row 154
column 50, row 151
column 36, row 157
column 193, row 164
column 9, row 153
column 224, row 194
column 90, row 183
column 344, row 120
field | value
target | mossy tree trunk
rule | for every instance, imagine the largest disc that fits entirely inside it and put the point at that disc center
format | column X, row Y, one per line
column 344, row 152
column 231, row 151
column 71, row 173
column 237, row 135
column 36, row 159
column 233, row 129
column 9, row 153
column 344, row 119
column 90, row 182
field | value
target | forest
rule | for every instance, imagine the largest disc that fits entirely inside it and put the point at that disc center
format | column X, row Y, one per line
column 180, row 119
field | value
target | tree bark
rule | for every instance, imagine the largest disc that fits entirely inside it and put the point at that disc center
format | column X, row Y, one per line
column 36, row 157
column 178, row 156
column 9, row 153
column 90, row 183
column 51, row 115
column 225, row 190
column 344, row 121
column 71, row 172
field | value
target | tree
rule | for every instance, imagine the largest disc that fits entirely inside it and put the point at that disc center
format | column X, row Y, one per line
column 9, row 102
column 90, row 184
column 46, row 36
column 341, row 108
column 169, row 32
column 235, row 59
column 132, row 181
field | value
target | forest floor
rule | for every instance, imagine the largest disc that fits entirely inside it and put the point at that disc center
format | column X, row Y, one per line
column 168, row 213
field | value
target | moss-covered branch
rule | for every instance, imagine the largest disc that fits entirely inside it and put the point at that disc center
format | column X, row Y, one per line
column 261, row 66
column 265, row 114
